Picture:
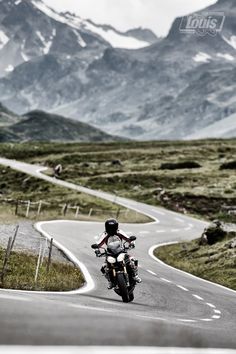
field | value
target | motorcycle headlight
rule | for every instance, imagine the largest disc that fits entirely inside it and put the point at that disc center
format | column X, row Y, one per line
column 111, row 259
column 121, row 257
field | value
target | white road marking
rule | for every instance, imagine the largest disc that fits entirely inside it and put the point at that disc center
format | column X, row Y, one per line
column 211, row 305
column 179, row 220
column 160, row 231
column 96, row 237
column 158, row 212
column 151, row 272
column 190, row 321
column 206, row 319
column 198, row 297
column 190, row 225
column 182, row 287
column 216, row 317
column 217, row 311
column 13, row 297
column 175, row 230
column 187, row 228
column 166, row 280
column 144, row 232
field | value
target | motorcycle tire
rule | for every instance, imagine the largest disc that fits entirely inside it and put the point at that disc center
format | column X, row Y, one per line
column 131, row 297
column 123, row 287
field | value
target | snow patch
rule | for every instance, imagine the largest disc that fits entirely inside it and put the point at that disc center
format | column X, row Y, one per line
column 116, row 39
column 50, row 12
column 3, row 39
column 225, row 56
column 80, row 39
column 17, row 2
column 47, row 44
column 24, row 56
column 202, row 57
column 231, row 41
column 9, row 68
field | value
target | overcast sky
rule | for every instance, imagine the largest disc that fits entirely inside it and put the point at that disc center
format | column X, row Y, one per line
column 125, row 14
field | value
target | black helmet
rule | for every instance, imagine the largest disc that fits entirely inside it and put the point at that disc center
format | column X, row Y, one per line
column 111, row 226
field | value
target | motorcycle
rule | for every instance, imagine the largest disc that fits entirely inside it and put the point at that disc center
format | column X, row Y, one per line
column 120, row 270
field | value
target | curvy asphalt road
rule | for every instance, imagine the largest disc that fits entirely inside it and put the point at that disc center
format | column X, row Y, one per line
column 171, row 308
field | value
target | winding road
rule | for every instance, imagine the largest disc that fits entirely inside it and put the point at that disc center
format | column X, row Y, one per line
column 171, row 308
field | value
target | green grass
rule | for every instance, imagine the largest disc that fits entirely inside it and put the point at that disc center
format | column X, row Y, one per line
column 19, row 186
column 216, row 263
column 21, row 272
column 197, row 191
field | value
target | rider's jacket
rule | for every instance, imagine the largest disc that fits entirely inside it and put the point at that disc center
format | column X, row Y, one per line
column 106, row 238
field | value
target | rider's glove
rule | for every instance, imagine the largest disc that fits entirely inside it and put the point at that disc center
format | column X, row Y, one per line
column 132, row 244
column 97, row 252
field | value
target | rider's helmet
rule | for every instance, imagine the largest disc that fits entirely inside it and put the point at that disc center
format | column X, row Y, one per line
column 111, row 226
column 217, row 223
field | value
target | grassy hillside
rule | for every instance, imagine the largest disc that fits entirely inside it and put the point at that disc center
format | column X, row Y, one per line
column 19, row 186
column 211, row 262
column 42, row 126
column 188, row 177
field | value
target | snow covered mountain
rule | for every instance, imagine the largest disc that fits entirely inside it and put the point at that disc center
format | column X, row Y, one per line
column 29, row 28
column 171, row 89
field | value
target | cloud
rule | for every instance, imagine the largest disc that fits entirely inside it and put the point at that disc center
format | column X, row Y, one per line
column 125, row 14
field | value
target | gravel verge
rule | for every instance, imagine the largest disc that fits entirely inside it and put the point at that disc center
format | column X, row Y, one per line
column 29, row 240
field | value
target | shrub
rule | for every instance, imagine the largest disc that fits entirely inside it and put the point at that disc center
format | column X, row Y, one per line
column 228, row 166
column 179, row 165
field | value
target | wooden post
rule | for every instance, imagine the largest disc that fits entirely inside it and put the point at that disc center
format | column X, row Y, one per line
column 7, row 255
column 50, row 255
column 28, row 209
column 64, row 209
column 39, row 207
column 77, row 212
column 14, row 237
column 117, row 213
column 16, row 208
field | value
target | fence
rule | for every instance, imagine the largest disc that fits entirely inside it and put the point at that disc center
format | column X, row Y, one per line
column 29, row 209
column 44, row 247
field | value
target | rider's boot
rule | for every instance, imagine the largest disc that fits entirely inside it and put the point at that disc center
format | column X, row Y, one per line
column 137, row 279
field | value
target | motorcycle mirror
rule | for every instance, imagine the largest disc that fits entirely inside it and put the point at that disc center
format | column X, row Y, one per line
column 133, row 238
column 94, row 246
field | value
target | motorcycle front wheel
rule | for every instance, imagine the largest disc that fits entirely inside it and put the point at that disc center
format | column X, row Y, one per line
column 123, row 287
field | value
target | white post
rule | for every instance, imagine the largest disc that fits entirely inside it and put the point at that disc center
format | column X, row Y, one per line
column 38, row 264
column 90, row 212
column 39, row 207
column 77, row 212
column 43, row 253
column 28, row 209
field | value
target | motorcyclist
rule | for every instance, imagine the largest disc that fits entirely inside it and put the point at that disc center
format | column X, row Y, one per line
column 111, row 234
